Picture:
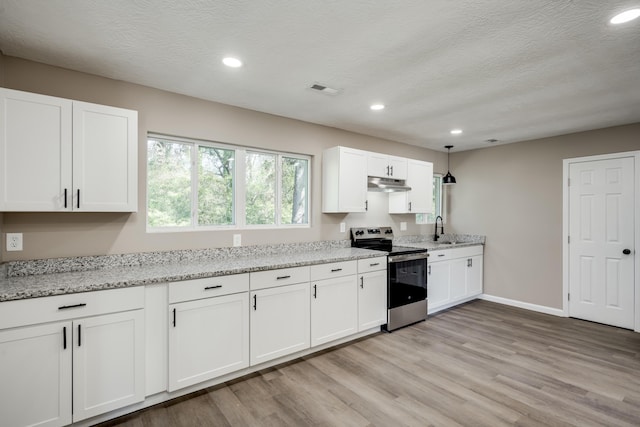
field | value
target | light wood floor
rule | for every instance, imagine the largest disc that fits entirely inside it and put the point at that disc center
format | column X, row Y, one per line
column 480, row 364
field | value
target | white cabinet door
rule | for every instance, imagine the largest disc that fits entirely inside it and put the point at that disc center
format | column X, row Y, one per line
column 208, row 338
column 35, row 367
column 344, row 180
column 474, row 275
column 334, row 309
column 372, row 300
column 279, row 322
column 420, row 198
column 105, row 158
column 35, row 152
column 458, row 278
column 108, row 363
column 398, row 167
column 438, row 283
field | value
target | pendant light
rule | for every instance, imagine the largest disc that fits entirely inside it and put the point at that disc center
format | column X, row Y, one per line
column 448, row 179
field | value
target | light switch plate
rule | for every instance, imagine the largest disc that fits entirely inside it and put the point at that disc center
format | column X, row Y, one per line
column 237, row 240
column 343, row 227
column 14, row 242
column 403, row 226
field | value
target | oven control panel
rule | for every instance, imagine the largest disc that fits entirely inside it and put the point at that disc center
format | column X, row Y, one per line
column 361, row 233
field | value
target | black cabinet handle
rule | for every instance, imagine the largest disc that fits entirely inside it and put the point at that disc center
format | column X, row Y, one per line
column 79, row 335
column 429, row 270
column 174, row 317
column 65, row 198
column 65, row 307
column 626, row 251
column 64, row 338
column 388, row 171
column 409, row 206
column 391, row 170
column 362, row 282
column 255, row 302
column 282, row 277
column 213, row 287
column 335, row 270
column 78, row 198
column 366, row 205
column 374, row 264
column 315, row 291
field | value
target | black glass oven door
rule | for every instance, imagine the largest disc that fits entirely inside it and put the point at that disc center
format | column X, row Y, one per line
column 407, row 282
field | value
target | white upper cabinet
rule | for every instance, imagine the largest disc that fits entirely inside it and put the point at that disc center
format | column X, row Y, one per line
column 385, row 166
column 344, row 180
column 64, row 155
column 420, row 198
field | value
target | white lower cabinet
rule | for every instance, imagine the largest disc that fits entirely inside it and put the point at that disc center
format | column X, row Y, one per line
column 68, row 371
column 35, row 368
column 108, row 363
column 372, row 293
column 454, row 276
column 208, row 338
column 279, row 321
column 334, row 309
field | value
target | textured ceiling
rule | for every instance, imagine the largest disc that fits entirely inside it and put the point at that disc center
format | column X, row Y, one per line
column 506, row 69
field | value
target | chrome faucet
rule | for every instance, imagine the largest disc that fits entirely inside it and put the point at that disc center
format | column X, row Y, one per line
column 435, row 234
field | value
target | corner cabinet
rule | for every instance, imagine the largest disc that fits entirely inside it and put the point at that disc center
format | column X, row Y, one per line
column 85, row 155
column 344, row 180
column 454, row 276
column 420, row 198
column 68, row 358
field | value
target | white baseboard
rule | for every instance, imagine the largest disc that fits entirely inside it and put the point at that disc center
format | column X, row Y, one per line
column 527, row 306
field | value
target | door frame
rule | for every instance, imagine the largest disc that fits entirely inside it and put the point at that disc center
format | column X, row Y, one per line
column 565, row 227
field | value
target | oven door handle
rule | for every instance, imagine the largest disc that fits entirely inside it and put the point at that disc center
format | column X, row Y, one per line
column 408, row 257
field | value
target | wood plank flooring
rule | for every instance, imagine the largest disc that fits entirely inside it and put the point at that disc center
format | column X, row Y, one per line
column 480, row 364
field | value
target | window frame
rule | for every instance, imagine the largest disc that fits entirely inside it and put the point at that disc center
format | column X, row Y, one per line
column 239, row 186
column 424, row 220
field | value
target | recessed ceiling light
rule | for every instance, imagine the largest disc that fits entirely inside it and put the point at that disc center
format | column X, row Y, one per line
column 456, row 131
column 626, row 16
column 377, row 107
column 232, row 62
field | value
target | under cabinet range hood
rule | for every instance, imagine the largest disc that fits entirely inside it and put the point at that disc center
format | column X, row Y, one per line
column 386, row 185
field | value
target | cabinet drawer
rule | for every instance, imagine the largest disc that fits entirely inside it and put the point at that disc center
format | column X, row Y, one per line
column 282, row 276
column 445, row 254
column 372, row 264
column 333, row 269
column 188, row 290
column 71, row 306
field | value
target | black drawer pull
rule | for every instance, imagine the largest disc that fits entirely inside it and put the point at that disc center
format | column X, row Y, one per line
column 335, row 270
column 64, row 307
column 282, row 277
column 441, row 255
column 213, row 287
column 374, row 264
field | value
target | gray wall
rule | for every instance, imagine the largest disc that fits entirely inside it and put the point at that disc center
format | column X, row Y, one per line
column 513, row 194
column 48, row 235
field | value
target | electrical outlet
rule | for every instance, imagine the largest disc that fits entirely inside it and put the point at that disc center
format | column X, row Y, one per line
column 237, row 240
column 403, row 226
column 343, row 227
column 14, row 241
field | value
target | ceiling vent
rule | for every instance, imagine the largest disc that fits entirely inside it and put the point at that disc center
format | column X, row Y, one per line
column 324, row 89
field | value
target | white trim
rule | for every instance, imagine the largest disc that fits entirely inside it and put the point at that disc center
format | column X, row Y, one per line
column 526, row 305
column 565, row 226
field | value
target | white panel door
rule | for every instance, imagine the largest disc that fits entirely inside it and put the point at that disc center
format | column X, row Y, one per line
column 353, row 181
column 35, row 372
column 108, row 363
column 105, row 153
column 279, row 322
column 334, row 309
column 208, row 338
column 35, row 152
column 372, row 300
column 601, row 231
column 438, row 283
column 474, row 275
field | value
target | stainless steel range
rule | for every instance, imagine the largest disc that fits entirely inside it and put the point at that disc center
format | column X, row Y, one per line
column 406, row 275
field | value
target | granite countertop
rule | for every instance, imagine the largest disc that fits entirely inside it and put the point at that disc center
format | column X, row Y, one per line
column 41, row 285
column 435, row 246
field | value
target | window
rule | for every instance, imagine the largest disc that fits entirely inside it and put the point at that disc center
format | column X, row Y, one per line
column 197, row 184
column 437, row 203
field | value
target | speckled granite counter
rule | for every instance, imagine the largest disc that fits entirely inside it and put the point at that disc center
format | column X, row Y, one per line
column 445, row 241
column 122, row 274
